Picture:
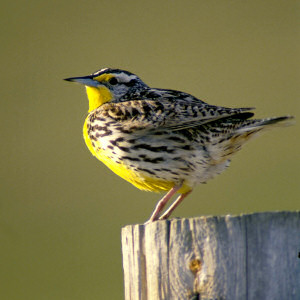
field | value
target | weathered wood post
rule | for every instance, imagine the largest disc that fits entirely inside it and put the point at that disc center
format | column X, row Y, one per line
column 251, row 257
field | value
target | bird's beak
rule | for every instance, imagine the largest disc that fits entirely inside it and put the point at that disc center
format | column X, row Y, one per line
column 86, row 80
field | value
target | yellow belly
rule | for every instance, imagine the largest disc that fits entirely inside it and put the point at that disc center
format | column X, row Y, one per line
column 138, row 179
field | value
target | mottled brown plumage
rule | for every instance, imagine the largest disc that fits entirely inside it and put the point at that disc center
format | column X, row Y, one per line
column 162, row 140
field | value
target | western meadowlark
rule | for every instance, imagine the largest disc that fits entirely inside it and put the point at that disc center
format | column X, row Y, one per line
column 161, row 139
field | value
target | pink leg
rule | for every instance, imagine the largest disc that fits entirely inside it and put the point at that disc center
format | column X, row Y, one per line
column 161, row 204
column 168, row 212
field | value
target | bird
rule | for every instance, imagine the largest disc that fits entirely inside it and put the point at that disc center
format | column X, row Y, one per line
column 162, row 140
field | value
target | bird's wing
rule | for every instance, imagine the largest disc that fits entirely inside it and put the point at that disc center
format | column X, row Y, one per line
column 165, row 114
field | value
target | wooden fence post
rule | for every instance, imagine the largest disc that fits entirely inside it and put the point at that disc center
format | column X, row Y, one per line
column 251, row 257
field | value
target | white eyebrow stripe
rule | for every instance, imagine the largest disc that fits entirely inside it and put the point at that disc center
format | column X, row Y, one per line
column 125, row 77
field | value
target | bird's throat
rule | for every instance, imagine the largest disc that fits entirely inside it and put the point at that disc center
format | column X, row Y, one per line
column 97, row 96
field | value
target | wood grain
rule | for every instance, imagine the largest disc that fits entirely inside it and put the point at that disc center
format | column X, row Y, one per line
column 231, row 257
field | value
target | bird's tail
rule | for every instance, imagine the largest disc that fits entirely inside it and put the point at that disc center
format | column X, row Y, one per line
column 240, row 132
column 257, row 125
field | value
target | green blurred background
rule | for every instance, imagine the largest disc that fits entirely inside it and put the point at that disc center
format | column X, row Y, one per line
column 61, row 210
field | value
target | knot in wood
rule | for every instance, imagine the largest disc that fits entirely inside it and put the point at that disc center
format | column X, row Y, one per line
column 195, row 265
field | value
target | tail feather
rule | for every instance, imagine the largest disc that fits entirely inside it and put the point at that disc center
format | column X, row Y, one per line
column 254, row 124
column 240, row 132
column 285, row 121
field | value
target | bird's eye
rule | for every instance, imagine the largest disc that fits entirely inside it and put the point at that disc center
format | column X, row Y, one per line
column 113, row 81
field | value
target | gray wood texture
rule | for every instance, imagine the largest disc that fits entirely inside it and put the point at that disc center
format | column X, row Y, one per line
column 249, row 257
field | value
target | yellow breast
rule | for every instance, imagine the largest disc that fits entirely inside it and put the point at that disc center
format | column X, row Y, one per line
column 138, row 179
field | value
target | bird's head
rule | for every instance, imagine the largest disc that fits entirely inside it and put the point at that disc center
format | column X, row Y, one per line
column 110, row 85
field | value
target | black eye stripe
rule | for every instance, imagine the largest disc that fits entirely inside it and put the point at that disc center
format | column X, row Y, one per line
column 114, row 81
column 132, row 82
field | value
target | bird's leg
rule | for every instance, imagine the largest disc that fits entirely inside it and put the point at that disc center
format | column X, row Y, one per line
column 161, row 204
column 168, row 212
